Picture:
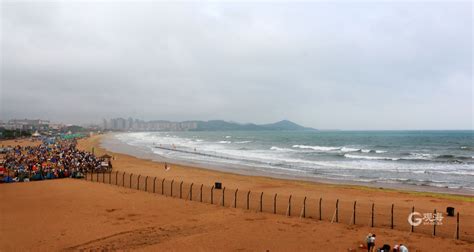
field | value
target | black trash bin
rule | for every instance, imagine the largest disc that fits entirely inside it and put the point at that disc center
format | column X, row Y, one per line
column 218, row 185
column 450, row 211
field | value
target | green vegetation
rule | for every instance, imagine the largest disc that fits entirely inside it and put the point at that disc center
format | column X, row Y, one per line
column 10, row 134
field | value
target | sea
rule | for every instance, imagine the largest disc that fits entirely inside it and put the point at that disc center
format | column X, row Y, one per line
column 442, row 160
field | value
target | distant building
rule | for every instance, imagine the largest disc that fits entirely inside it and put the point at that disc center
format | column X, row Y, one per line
column 27, row 125
column 120, row 124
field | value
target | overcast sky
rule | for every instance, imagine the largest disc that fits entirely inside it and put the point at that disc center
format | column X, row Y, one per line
column 329, row 66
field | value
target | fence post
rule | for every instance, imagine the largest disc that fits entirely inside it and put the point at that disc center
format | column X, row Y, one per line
column 172, row 181
column 457, row 227
column 163, row 187
column 97, row 180
column 116, row 178
column 372, row 214
column 275, row 204
column 131, row 175
column 110, row 177
column 212, row 195
column 181, row 190
column 201, row 192
column 138, row 182
column 123, row 179
column 391, row 219
column 146, row 184
column 103, row 177
column 320, row 208
column 289, row 206
column 248, row 200
column 235, row 198
column 223, row 196
column 154, row 185
column 304, row 207
column 412, row 211
column 434, row 223
column 191, row 192
column 354, row 214
column 261, row 202
column 337, row 210
column 92, row 175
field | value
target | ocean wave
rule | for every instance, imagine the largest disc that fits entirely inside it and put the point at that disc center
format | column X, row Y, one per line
column 316, row 148
column 280, row 149
column 225, row 142
column 380, row 151
column 242, row 142
column 370, row 157
column 228, row 137
column 347, row 149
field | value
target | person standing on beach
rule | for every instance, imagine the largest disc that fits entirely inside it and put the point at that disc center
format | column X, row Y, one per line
column 370, row 242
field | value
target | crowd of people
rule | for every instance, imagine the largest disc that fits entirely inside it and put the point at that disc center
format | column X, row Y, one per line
column 59, row 159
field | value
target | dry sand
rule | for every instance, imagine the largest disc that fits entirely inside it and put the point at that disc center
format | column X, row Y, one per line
column 62, row 214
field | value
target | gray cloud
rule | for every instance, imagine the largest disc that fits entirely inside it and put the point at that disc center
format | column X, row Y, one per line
column 342, row 65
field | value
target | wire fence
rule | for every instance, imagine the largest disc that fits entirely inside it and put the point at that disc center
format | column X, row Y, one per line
column 324, row 209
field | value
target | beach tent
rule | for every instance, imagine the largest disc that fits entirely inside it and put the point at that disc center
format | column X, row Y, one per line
column 36, row 134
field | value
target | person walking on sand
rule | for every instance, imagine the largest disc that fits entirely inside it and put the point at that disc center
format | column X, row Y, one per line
column 370, row 242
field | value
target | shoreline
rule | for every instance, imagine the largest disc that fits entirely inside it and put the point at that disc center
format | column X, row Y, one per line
column 114, row 145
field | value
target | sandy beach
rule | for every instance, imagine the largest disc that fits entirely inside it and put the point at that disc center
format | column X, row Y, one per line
column 77, row 214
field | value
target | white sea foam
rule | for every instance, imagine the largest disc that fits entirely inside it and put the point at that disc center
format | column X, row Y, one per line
column 380, row 151
column 243, row 142
column 228, row 137
column 365, row 150
column 347, row 149
column 280, row 149
column 225, row 142
column 369, row 157
column 316, row 148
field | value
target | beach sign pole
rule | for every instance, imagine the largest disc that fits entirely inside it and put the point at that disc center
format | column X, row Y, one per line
column 412, row 211
column 320, row 208
column 201, row 192
column 163, row 187
column 354, row 214
column 304, row 207
column 146, row 184
column 172, row 181
column 138, row 182
column 248, row 200
column 289, row 206
column 212, row 195
column 261, row 202
column 235, row 197
column 123, row 179
column 373, row 205
column 181, row 190
column 392, row 216
column 337, row 210
column 457, row 227
column 191, row 192
column 275, row 204
column 434, row 223
column 223, row 195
